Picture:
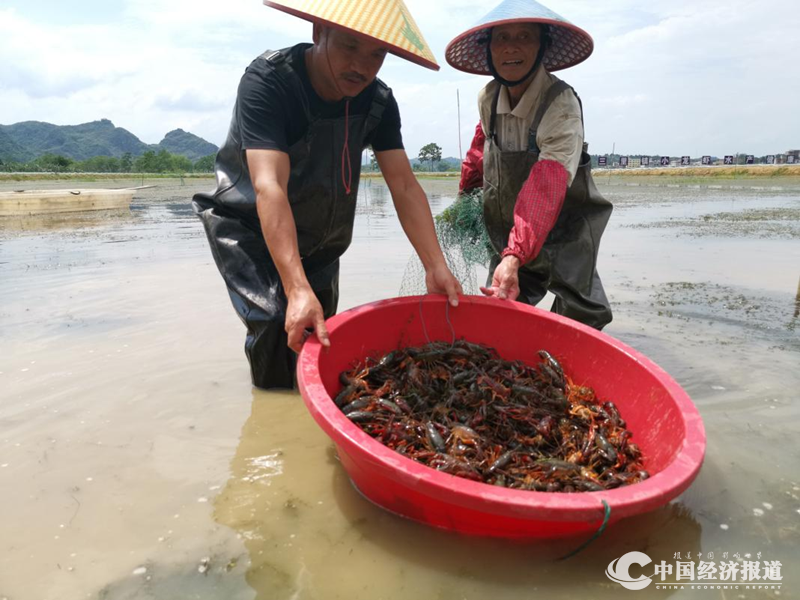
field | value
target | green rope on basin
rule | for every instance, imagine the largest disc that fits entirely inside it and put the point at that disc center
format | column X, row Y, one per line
column 596, row 535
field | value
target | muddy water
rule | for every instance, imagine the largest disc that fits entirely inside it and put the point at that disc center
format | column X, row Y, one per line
column 136, row 461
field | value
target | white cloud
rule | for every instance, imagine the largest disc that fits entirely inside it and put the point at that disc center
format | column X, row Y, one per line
column 619, row 101
column 190, row 100
column 673, row 77
column 49, row 61
column 429, row 112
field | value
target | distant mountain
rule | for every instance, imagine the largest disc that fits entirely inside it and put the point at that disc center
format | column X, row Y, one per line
column 187, row 144
column 28, row 140
column 10, row 148
column 78, row 142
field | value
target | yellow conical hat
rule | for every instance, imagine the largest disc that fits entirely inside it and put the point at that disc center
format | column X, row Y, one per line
column 387, row 21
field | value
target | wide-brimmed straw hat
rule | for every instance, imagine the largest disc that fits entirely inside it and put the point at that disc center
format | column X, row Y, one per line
column 387, row 21
column 569, row 45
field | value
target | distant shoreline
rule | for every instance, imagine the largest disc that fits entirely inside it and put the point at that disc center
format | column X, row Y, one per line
column 767, row 175
column 715, row 172
column 733, row 172
column 90, row 177
column 675, row 174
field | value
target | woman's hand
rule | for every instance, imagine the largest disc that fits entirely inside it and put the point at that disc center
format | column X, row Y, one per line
column 505, row 280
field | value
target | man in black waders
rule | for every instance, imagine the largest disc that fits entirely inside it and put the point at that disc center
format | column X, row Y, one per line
column 287, row 176
column 543, row 213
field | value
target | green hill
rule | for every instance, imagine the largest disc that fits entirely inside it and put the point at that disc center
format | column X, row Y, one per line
column 28, row 140
column 187, row 144
column 11, row 150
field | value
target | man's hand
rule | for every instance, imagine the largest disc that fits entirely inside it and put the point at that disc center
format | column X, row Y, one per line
column 304, row 312
column 269, row 172
column 505, row 281
column 439, row 280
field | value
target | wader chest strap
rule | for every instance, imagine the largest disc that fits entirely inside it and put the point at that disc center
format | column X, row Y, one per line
column 278, row 61
column 553, row 92
column 379, row 102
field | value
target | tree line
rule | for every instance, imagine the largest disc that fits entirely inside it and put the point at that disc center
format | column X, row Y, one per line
column 428, row 159
column 162, row 161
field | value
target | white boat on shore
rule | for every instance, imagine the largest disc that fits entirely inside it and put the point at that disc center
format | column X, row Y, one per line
column 31, row 202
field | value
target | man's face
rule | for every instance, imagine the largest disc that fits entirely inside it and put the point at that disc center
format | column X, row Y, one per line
column 354, row 62
column 514, row 48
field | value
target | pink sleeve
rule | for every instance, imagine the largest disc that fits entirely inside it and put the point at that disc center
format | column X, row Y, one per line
column 538, row 205
column 472, row 167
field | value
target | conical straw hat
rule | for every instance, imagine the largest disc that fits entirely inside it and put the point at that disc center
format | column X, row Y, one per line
column 387, row 21
column 570, row 44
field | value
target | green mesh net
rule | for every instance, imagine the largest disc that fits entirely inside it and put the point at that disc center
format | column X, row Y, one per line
column 464, row 241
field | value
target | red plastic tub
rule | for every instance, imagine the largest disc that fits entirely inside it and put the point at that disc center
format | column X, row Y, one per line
column 665, row 422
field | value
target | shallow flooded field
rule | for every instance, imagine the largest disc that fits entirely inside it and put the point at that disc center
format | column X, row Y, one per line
column 137, row 462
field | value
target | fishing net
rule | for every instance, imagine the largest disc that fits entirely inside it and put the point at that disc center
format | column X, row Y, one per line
column 465, row 244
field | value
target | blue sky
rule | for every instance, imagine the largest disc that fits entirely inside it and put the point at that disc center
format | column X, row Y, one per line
column 674, row 77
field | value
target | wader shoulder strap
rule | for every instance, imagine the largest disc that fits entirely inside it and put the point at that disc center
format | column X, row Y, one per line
column 379, row 102
column 553, row 92
column 277, row 59
column 493, row 115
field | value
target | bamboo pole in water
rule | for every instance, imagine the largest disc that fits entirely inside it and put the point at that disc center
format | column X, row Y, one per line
column 797, row 301
column 458, row 103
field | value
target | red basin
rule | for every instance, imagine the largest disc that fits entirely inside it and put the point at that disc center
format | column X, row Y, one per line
column 665, row 422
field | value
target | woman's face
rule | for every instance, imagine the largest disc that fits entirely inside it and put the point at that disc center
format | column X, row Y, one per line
column 514, row 48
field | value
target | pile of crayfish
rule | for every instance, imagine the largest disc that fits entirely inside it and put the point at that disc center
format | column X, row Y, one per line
column 462, row 409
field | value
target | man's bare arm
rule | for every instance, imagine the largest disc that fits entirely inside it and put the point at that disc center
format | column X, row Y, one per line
column 269, row 172
column 415, row 216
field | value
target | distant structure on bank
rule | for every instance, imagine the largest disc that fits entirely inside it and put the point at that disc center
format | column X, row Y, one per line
column 622, row 161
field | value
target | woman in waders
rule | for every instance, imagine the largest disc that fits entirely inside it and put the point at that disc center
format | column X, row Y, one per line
column 543, row 213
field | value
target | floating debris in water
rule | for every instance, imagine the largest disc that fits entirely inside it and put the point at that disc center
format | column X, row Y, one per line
column 204, row 563
column 719, row 388
column 723, row 526
column 767, row 505
column 758, row 512
column 140, row 571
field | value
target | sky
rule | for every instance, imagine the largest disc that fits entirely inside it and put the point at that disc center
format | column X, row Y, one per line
column 676, row 77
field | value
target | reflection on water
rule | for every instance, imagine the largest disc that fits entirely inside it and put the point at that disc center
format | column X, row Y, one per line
column 310, row 534
column 136, row 461
column 32, row 224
